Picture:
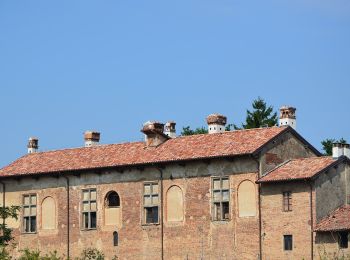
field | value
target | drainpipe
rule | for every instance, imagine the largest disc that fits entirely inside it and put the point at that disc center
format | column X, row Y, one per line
column 161, row 213
column 312, row 223
column 3, row 199
column 68, row 224
column 259, row 209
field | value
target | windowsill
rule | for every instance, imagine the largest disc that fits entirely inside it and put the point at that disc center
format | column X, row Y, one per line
column 29, row 233
column 88, row 229
column 223, row 221
column 150, row 224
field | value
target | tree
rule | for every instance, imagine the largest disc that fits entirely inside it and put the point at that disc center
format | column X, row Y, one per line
column 6, row 236
column 262, row 115
column 188, row 131
column 327, row 145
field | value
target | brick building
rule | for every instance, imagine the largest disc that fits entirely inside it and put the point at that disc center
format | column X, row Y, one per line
column 262, row 193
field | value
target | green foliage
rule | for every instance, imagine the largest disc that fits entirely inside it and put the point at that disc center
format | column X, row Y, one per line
column 5, row 232
column 261, row 115
column 92, row 254
column 188, row 131
column 28, row 254
column 327, row 145
column 4, row 254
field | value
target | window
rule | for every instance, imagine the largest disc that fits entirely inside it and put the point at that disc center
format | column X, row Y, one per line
column 220, row 198
column 343, row 240
column 89, row 209
column 115, row 238
column 150, row 203
column 112, row 200
column 288, row 242
column 29, row 213
column 287, row 201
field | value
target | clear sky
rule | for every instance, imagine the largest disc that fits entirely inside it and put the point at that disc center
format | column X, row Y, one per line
column 69, row 66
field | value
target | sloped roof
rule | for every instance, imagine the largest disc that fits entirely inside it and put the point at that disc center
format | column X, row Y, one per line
column 178, row 149
column 338, row 220
column 298, row 169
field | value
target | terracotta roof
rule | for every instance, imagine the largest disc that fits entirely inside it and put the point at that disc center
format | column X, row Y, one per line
column 297, row 169
column 338, row 220
column 114, row 155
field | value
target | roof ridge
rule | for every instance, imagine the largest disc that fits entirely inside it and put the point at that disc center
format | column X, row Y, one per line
column 82, row 147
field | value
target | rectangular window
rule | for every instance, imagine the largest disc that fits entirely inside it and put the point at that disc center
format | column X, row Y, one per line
column 29, row 213
column 151, row 203
column 343, row 240
column 287, row 201
column 288, row 242
column 220, row 198
column 89, row 209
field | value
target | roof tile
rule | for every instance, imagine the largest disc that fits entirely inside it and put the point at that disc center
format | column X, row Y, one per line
column 177, row 149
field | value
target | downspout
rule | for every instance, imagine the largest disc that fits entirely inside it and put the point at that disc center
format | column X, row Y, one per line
column 68, row 224
column 312, row 223
column 3, row 199
column 161, row 213
column 259, row 210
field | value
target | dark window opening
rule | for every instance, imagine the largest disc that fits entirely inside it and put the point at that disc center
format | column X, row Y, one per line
column 115, row 238
column 287, row 201
column 343, row 240
column 288, row 242
column 113, row 199
column 151, row 215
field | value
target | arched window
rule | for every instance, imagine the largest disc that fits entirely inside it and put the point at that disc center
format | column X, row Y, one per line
column 246, row 199
column 174, row 204
column 48, row 213
column 112, row 210
column 112, row 200
column 115, row 238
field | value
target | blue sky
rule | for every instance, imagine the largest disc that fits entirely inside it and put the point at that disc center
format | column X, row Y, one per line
column 70, row 66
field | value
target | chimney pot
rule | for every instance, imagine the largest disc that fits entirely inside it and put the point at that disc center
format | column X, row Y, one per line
column 91, row 138
column 287, row 116
column 33, row 145
column 346, row 150
column 216, row 123
column 170, row 130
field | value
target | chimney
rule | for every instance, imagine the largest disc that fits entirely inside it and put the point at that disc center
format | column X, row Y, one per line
column 346, row 150
column 154, row 133
column 33, row 145
column 216, row 123
column 287, row 117
column 170, row 130
column 337, row 150
column 91, row 138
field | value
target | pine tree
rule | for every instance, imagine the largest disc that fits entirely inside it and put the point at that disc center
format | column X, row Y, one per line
column 261, row 116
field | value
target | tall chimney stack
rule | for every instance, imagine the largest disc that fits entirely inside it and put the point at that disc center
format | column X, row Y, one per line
column 346, row 150
column 287, row 117
column 216, row 123
column 337, row 150
column 33, row 145
column 91, row 138
column 170, row 130
column 154, row 133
